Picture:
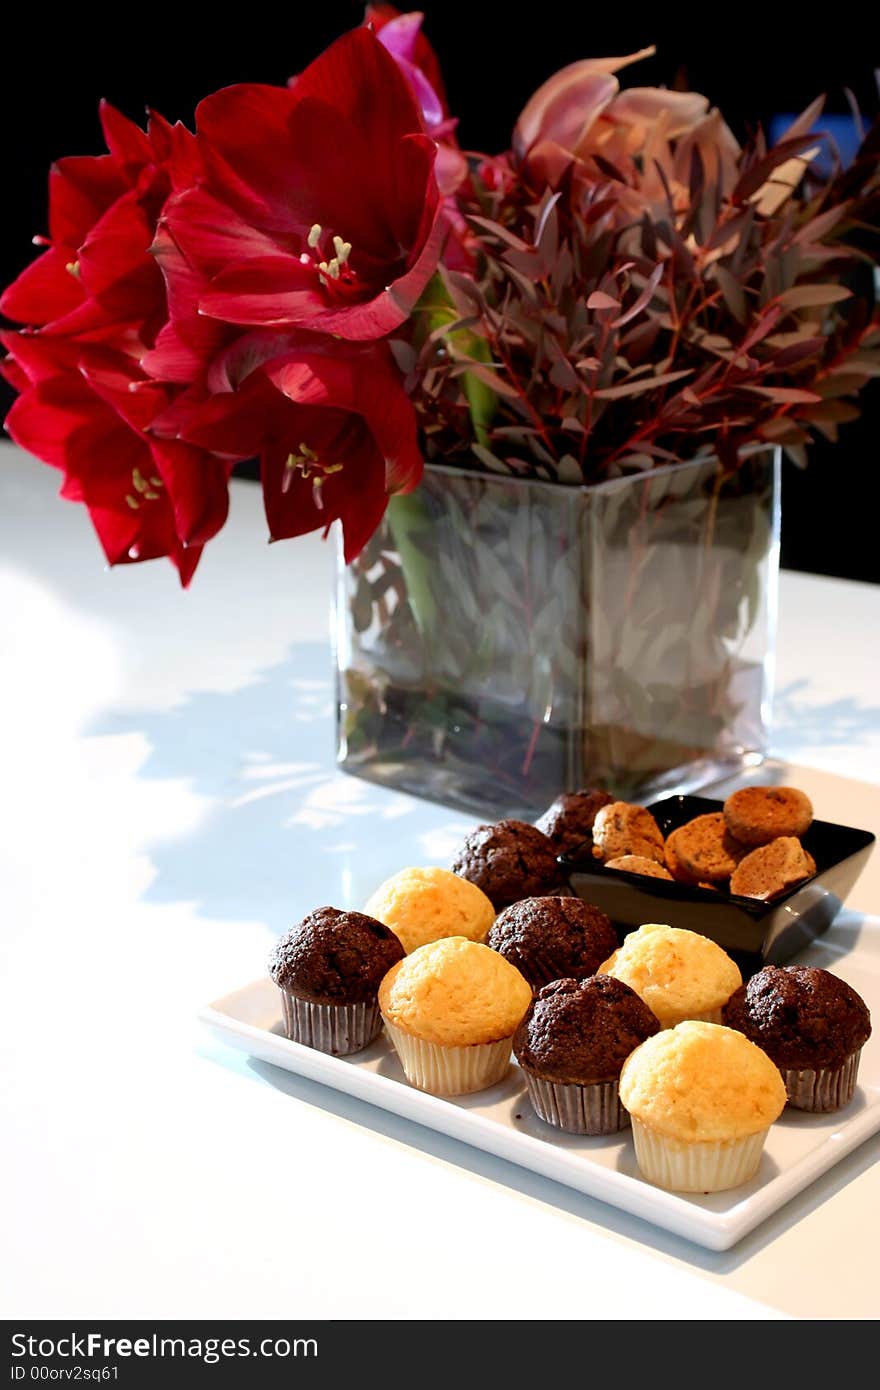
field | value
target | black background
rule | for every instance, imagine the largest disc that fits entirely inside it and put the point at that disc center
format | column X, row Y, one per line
column 752, row 60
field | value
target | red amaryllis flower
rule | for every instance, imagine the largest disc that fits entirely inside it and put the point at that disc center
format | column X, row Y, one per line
column 97, row 280
column 85, row 412
column 331, row 423
column 320, row 206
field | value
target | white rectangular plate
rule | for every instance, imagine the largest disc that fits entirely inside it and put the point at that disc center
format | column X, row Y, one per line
column 799, row 1148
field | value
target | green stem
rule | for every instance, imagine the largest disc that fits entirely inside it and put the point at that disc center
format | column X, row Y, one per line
column 407, row 515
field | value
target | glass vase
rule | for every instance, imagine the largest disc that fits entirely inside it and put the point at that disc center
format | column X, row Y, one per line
column 501, row 640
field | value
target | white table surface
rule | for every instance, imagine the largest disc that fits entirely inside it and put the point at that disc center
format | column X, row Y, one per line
column 169, row 805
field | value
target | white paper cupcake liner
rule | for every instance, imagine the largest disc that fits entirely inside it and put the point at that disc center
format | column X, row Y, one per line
column 711, row 1166
column 339, row 1029
column 450, row 1071
column 594, row 1109
column 826, row 1088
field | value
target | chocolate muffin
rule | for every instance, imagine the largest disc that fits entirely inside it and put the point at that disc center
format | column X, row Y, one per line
column 812, row 1024
column 568, row 821
column 328, row 969
column 571, row 1046
column 548, row 938
column 509, row 860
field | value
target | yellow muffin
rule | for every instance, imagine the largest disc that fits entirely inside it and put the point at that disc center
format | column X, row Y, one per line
column 701, row 1099
column 451, row 1009
column 679, row 974
column 422, row 905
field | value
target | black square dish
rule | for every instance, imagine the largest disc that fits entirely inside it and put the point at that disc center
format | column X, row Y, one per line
column 754, row 933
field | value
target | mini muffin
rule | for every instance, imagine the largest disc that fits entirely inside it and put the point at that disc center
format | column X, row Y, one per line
column 571, row 1046
column 509, row 861
column 679, row 974
column 568, row 822
column 328, row 969
column 706, row 850
column 451, row 1009
column 701, row 1099
column 422, row 905
column 757, row 815
column 620, row 828
column 546, row 938
column 636, row 864
column 770, row 870
column 812, row 1024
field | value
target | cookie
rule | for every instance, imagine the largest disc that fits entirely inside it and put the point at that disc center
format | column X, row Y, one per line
column 624, row 829
column 706, row 849
column 759, row 815
column 638, row 864
column 673, row 861
column 568, row 822
column 770, row 869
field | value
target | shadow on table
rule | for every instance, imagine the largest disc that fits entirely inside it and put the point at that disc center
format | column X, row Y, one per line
column 799, row 724
column 283, row 831
column 555, row 1194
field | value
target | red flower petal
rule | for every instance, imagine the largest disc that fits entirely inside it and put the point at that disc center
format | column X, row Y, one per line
column 185, row 561
column 46, row 418
column 126, row 142
column 277, row 290
column 414, row 45
column 116, row 532
column 356, row 495
column 197, row 487
column 369, row 385
column 266, row 290
column 189, row 340
column 115, row 265
column 116, row 381
column 209, row 234
column 246, row 144
column 44, row 290
column 40, row 357
column 176, row 148
column 81, row 189
column 360, row 79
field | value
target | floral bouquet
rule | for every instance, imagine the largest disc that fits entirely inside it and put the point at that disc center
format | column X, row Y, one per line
column 322, row 278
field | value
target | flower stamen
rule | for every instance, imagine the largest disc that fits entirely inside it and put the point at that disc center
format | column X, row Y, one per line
column 329, row 268
column 310, row 468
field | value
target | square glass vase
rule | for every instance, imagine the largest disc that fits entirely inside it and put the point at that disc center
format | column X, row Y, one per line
column 501, row 640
